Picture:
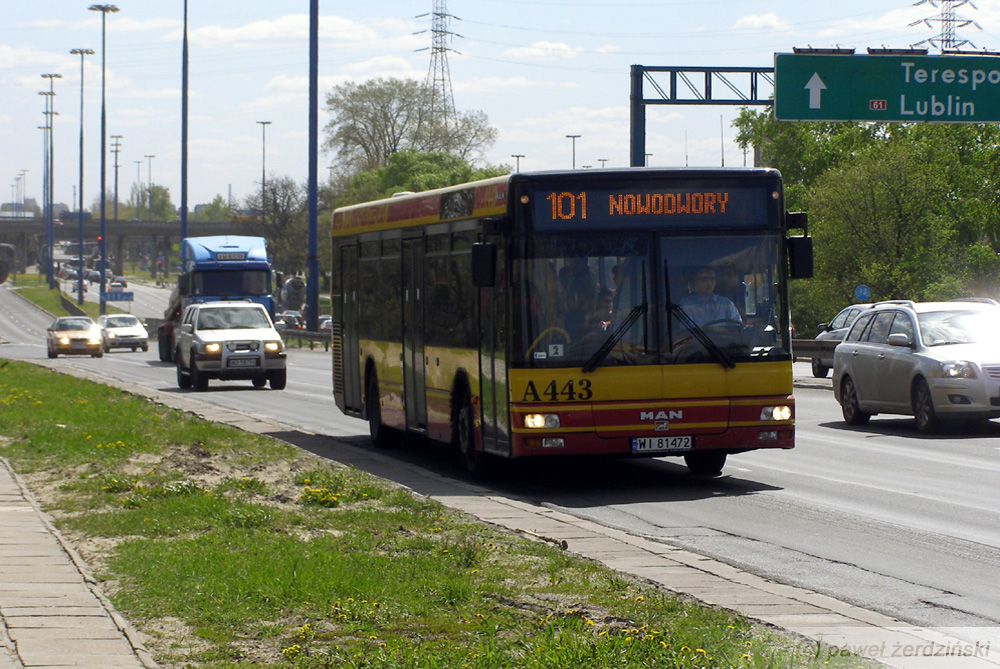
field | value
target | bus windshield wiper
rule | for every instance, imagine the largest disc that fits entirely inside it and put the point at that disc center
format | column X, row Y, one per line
column 615, row 337
column 702, row 336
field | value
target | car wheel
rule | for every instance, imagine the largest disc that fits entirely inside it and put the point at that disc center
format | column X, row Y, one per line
column 819, row 369
column 183, row 378
column 373, row 406
column 198, row 380
column 923, row 408
column 705, row 463
column 279, row 379
column 259, row 381
column 52, row 352
column 107, row 349
column 853, row 415
column 145, row 348
column 476, row 462
column 99, row 354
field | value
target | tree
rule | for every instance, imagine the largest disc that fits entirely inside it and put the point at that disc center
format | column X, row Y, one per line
column 411, row 170
column 140, row 203
column 375, row 119
column 217, row 211
column 283, row 221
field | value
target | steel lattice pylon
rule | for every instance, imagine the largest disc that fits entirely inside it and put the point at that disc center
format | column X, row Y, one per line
column 948, row 39
column 438, row 74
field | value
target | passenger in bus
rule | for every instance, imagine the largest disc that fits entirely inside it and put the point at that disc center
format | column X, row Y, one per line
column 704, row 306
column 580, row 288
column 600, row 319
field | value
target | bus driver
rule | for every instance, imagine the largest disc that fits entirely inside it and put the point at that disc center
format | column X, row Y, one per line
column 704, row 306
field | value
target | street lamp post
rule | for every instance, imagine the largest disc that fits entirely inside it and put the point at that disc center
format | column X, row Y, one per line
column 149, row 211
column 517, row 157
column 104, row 10
column 574, row 138
column 79, row 278
column 50, row 179
column 116, row 147
column 602, row 161
column 263, row 164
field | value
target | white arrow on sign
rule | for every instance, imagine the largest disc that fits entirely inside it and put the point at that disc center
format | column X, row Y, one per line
column 815, row 86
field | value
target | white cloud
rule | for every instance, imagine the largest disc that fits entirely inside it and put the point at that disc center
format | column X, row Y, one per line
column 544, row 51
column 769, row 22
column 289, row 29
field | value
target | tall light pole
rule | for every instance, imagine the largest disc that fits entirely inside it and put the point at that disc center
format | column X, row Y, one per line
column 79, row 277
column 602, row 161
column 50, row 181
column 149, row 211
column 574, row 138
column 116, row 147
column 517, row 157
column 104, row 10
column 184, row 137
column 263, row 164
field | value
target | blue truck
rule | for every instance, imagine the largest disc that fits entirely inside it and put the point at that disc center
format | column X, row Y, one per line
column 222, row 267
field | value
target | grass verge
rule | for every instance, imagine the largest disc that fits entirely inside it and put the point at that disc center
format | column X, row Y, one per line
column 231, row 549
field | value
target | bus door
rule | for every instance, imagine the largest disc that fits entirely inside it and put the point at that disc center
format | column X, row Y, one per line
column 493, row 359
column 349, row 284
column 414, row 386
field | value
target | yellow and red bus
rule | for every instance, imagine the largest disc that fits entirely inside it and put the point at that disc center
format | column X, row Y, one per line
column 637, row 312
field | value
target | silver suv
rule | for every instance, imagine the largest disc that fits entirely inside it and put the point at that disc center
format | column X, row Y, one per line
column 835, row 330
column 229, row 341
column 936, row 361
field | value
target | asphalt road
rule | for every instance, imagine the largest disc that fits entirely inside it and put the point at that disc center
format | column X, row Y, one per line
column 879, row 516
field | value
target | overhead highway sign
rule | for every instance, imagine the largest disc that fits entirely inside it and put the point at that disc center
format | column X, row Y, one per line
column 887, row 88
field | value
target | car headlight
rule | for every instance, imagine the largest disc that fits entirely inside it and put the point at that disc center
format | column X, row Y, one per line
column 272, row 346
column 541, row 421
column 111, row 335
column 958, row 369
column 780, row 412
column 64, row 340
column 214, row 347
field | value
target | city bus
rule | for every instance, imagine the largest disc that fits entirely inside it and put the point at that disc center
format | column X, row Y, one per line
column 634, row 312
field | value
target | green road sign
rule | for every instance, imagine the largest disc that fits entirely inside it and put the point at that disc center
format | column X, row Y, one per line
column 939, row 89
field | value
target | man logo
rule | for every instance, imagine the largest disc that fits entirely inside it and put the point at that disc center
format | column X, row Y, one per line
column 661, row 419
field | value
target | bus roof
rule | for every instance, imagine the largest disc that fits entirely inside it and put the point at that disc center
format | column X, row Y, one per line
column 478, row 198
column 489, row 197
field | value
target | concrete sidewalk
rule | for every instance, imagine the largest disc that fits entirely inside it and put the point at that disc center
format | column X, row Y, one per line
column 51, row 612
column 53, row 615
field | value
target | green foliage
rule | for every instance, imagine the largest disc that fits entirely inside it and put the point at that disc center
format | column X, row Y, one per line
column 912, row 211
column 411, row 170
column 217, row 211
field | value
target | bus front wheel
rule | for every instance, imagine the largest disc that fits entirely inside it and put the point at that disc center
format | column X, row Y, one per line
column 705, row 463
column 473, row 460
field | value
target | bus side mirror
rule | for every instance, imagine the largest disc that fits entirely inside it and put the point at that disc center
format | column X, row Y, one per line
column 484, row 265
column 800, row 257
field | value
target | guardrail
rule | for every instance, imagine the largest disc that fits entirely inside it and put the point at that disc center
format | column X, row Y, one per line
column 310, row 336
column 813, row 348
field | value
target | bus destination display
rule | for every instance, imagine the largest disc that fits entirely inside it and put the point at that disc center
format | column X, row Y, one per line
column 592, row 208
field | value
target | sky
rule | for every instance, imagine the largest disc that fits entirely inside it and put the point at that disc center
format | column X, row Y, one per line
column 539, row 69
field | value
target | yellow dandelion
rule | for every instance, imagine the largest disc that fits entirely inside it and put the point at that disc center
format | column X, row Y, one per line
column 700, row 651
column 665, row 644
column 640, row 598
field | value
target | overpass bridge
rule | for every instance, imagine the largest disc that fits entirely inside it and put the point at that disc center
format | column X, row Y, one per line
column 27, row 234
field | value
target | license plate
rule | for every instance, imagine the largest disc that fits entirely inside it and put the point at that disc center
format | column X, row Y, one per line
column 243, row 362
column 672, row 444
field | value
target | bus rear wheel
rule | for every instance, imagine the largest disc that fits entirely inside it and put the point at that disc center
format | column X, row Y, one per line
column 373, row 407
column 705, row 463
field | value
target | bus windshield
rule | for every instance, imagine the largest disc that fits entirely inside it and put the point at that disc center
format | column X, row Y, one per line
column 649, row 298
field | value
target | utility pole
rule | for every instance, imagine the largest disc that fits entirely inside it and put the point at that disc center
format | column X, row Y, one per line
column 947, row 39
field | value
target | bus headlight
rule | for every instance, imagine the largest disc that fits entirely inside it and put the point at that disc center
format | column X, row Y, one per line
column 781, row 412
column 541, row 421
